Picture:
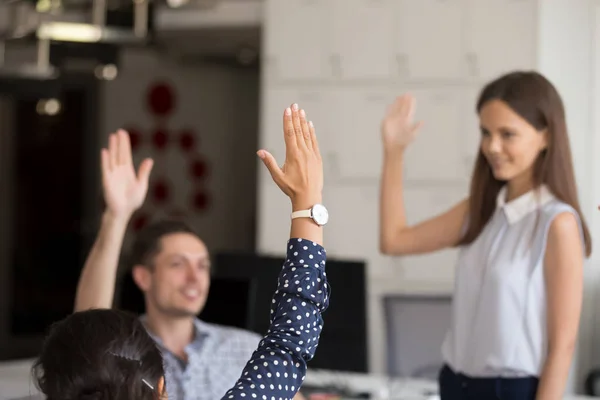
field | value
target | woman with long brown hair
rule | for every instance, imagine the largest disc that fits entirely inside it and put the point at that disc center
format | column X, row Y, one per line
column 522, row 239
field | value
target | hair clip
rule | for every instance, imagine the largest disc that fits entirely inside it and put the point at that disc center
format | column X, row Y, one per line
column 147, row 383
column 125, row 357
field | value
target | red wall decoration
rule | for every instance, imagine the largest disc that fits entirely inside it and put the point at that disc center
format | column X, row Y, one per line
column 161, row 102
column 198, row 169
column 187, row 140
column 139, row 221
column 135, row 136
column 160, row 138
column 160, row 192
column 160, row 99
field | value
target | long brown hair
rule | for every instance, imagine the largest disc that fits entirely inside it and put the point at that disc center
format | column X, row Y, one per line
column 536, row 100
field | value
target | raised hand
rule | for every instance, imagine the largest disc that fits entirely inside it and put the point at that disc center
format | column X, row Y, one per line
column 301, row 177
column 124, row 191
column 398, row 128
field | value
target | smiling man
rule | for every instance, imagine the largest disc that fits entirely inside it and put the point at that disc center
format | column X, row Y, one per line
column 171, row 266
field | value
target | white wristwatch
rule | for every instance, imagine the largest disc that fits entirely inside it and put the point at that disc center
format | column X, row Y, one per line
column 317, row 213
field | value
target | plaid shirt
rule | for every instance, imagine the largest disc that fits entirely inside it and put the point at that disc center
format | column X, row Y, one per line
column 216, row 358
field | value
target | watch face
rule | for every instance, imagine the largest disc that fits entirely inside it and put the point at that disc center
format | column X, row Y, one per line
column 320, row 214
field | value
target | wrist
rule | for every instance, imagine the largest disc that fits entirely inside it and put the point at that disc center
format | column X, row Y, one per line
column 393, row 152
column 305, row 203
column 116, row 218
column 306, row 228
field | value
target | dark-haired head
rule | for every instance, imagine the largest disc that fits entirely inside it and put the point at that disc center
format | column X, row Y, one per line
column 147, row 243
column 171, row 266
column 99, row 355
column 524, row 139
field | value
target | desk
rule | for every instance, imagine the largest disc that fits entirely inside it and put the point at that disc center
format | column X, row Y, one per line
column 384, row 388
column 15, row 382
column 378, row 386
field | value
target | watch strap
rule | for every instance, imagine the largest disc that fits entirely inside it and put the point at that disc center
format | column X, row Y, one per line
column 302, row 214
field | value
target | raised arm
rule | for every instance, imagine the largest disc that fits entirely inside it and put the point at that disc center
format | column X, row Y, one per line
column 278, row 367
column 124, row 192
column 395, row 236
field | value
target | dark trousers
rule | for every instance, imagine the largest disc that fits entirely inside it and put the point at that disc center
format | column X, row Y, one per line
column 456, row 386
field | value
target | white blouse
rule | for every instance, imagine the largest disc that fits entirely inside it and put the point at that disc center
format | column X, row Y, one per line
column 499, row 304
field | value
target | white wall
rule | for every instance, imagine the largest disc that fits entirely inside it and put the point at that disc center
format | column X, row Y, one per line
column 566, row 58
column 359, row 54
column 592, row 315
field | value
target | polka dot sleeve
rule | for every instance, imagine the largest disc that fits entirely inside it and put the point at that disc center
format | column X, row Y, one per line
column 278, row 366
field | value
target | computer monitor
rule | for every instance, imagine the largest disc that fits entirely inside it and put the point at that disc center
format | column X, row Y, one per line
column 230, row 302
column 343, row 344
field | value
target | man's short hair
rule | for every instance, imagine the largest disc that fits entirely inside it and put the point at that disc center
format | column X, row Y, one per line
column 147, row 242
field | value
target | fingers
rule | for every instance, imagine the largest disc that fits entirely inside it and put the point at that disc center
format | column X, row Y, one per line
column 403, row 105
column 411, row 107
column 271, row 164
column 124, row 148
column 144, row 171
column 391, row 108
column 300, row 140
column 288, row 132
column 313, row 138
column 113, row 150
column 305, row 130
column 105, row 162
column 298, row 133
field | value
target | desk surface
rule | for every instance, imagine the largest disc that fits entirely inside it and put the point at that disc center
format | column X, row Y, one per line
column 15, row 382
column 382, row 387
column 378, row 386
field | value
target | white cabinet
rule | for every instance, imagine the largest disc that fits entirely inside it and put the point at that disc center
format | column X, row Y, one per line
column 501, row 35
column 355, row 211
column 470, row 128
column 356, row 122
column 437, row 153
column 295, row 39
column 273, row 211
column 273, row 104
column 430, row 39
column 414, row 40
column 362, row 39
column 421, row 205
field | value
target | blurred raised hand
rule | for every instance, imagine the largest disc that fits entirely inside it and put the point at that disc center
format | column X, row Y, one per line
column 124, row 190
column 398, row 127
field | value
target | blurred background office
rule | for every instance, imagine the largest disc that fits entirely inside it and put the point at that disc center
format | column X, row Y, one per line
column 172, row 71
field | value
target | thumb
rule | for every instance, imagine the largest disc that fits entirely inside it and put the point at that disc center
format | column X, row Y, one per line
column 271, row 164
column 144, row 171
